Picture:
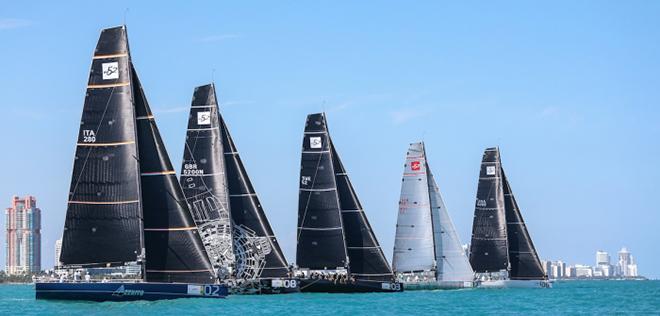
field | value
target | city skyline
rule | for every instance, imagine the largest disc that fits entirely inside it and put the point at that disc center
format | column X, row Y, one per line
column 569, row 100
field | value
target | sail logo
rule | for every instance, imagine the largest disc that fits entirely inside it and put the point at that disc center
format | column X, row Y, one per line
column 122, row 291
column 415, row 165
column 204, row 118
column 490, row 170
column 110, row 70
column 304, row 180
column 315, row 142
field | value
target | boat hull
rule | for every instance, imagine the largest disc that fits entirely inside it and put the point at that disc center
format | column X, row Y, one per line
column 116, row 291
column 358, row 286
column 267, row 286
column 437, row 285
column 504, row 284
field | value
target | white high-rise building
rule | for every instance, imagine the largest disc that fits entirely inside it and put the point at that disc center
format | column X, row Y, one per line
column 58, row 251
column 624, row 262
column 602, row 258
column 562, row 268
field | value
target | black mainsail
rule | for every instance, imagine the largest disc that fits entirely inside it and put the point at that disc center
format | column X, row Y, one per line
column 213, row 170
column 125, row 203
column 500, row 240
column 333, row 230
column 104, row 197
column 203, row 178
column 488, row 249
column 525, row 263
column 320, row 239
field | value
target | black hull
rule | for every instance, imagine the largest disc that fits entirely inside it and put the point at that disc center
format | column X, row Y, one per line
column 267, row 287
column 359, row 286
column 119, row 292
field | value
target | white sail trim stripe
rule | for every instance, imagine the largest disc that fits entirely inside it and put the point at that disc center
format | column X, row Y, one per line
column 319, row 229
column 170, row 229
column 351, row 211
column 373, row 247
column 157, row 173
column 318, row 190
column 202, row 106
column 231, row 153
column 148, row 117
column 315, row 152
column 203, row 129
column 480, row 238
column 106, row 144
column 106, row 56
column 109, row 85
column 103, row 203
column 319, row 132
column 243, row 194
column 176, row 271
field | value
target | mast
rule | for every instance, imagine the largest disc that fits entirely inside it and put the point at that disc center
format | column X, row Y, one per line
column 525, row 263
column 366, row 258
column 320, row 238
column 258, row 253
column 414, row 245
column 488, row 249
column 203, row 178
column 174, row 250
column 104, row 196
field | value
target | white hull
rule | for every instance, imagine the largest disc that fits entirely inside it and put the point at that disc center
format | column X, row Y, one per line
column 437, row 285
column 505, row 284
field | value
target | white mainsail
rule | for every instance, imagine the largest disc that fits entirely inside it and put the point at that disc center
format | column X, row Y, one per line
column 413, row 243
column 453, row 263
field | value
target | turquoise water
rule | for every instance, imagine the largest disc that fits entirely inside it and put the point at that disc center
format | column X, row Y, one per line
column 572, row 297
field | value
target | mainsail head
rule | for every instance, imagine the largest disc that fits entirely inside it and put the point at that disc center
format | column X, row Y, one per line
column 104, row 218
column 488, row 248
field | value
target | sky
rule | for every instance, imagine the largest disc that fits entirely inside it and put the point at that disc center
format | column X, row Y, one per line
column 567, row 89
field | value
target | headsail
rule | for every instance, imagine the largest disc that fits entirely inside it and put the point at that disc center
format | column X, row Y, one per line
column 174, row 249
column 525, row 263
column 488, row 249
column 203, row 178
column 452, row 263
column 321, row 242
column 414, row 243
column 366, row 258
column 258, row 254
column 104, row 198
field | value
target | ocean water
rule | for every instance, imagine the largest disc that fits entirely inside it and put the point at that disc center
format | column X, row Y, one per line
column 568, row 297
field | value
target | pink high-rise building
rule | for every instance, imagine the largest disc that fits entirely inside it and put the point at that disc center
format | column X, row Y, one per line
column 23, row 221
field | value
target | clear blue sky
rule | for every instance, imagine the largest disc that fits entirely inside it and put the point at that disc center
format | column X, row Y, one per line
column 569, row 90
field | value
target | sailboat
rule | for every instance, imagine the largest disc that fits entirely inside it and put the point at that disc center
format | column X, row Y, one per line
column 125, row 204
column 427, row 250
column 337, row 250
column 225, row 206
column 501, row 253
